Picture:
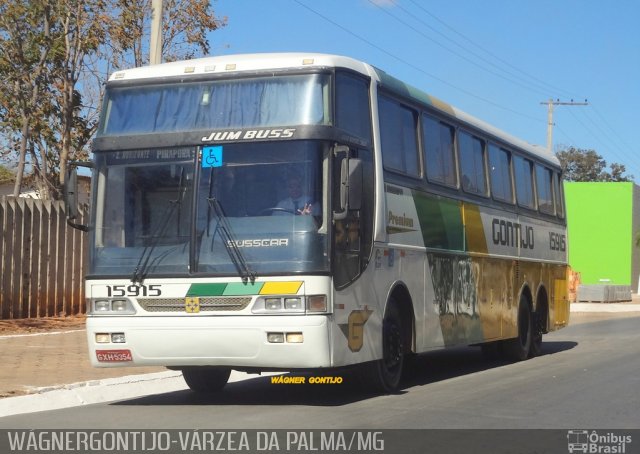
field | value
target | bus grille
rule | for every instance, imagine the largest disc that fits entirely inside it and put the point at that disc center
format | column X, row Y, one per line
column 206, row 304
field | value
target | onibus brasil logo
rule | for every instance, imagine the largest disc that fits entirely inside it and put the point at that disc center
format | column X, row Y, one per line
column 593, row 442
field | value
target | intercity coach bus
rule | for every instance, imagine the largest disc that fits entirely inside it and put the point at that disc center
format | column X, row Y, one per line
column 422, row 227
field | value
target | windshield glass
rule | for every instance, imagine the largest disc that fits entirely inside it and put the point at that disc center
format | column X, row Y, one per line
column 272, row 101
column 272, row 196
column 143, row 211
column 260, row 205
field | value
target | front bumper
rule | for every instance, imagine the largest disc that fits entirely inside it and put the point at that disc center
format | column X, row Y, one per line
column 234, row 341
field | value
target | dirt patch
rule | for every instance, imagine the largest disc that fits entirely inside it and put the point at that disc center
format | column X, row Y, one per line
column 41, row 325
column 21, row 392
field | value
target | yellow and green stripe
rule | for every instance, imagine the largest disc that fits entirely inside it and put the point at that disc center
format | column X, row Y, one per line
column 238, row 288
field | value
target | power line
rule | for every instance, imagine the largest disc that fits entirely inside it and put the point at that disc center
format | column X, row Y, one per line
column 519, row 80
column 565, row 134
column 536, row 87
column 604, row 122
column 491, row 54
column 592, row 130
column 550, row 105
column 411, row 65
column 631, row 164
column 630, row 157
column 613, row 147
column 448, row 49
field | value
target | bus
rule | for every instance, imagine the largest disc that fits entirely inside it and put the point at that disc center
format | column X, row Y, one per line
column 421, row 227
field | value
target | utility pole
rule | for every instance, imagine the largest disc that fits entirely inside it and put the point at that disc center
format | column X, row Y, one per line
column 155, row 46
column 550, row 104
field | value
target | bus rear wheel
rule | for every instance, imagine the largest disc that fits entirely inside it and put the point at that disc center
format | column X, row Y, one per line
column 384, row 375
column 206, row 380
column 517, row 349
column 539, row 325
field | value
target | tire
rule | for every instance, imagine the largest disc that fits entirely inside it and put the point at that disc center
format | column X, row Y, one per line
column 206, row 380
column 539, row 327
column 385, row 374
column 518, row 349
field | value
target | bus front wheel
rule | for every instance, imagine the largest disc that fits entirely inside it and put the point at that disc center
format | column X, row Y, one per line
column 206, row 379
column 384, row 375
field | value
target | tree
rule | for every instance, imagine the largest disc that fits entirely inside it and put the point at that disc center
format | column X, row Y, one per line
column 55, row 56
column 587, row 165
column 47, row 45
column 25, row 44
column 83, row 27
column 186, row 24
column 6, row 175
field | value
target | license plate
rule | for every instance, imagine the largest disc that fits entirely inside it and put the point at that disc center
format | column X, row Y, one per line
column 113, row 356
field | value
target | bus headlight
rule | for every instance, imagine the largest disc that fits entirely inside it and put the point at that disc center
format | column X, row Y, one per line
column 119, row 305
column 114, row 338
column 276, row 305
column 101, row 306
column 292, row 304
column 275, row 338
column 272, row 304
column 118, row 338
column 104, row 306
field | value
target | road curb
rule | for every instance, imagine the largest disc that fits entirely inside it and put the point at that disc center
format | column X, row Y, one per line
column 605, row 307
column 91, row 392
column 101, row 391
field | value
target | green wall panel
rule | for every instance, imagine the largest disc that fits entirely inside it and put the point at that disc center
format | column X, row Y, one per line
column 599, row 217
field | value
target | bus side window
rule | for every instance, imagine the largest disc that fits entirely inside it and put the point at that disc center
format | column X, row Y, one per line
column 500, row 172
column 353, row 113
column 472, row 163
column 545, row 189
column 558, row 190
column 439, row 153
column 524, row 182
column 398, row 126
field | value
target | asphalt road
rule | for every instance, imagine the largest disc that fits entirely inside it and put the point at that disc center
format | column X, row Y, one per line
column 588, row 376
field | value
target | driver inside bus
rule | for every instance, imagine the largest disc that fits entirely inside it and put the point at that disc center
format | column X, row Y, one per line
column 298, row 202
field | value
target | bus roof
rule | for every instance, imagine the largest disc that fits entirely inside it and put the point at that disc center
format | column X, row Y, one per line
column 241, row 63
column 281, row 61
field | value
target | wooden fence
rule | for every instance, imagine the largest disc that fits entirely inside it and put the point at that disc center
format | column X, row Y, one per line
column 42, row 260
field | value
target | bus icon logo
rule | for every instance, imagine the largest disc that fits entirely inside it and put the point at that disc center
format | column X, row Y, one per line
column 578, row 441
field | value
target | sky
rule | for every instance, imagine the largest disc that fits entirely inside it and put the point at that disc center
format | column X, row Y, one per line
column 497, row 60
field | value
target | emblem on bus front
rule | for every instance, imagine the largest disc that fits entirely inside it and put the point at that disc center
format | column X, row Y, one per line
column 192, row 305
column 354, row 329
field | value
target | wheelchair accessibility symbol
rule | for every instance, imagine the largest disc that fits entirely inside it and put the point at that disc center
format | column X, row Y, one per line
column 211, row 157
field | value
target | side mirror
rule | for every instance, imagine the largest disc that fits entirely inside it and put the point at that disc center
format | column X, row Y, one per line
column 71, row 193
column 350, row 185
column 355, row 184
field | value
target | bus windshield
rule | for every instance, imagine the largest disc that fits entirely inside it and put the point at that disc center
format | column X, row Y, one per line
column 210, row 105
column 165, row 212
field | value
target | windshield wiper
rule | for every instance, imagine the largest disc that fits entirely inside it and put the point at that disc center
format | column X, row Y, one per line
column 143, row 263
column 139, row 273
column 230, row 242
